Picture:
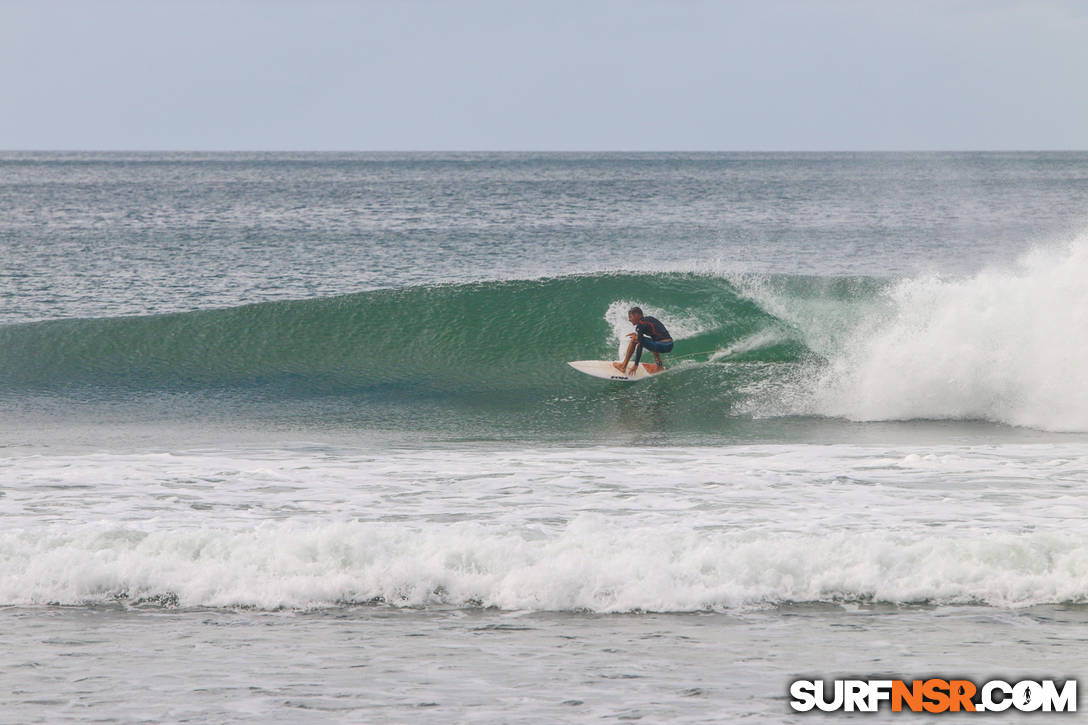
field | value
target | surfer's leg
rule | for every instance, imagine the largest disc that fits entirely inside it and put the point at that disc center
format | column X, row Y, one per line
column 622, row 366
column 657, row 348
column 638, row 355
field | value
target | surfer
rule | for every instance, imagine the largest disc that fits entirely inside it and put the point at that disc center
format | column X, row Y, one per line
column 649, row 334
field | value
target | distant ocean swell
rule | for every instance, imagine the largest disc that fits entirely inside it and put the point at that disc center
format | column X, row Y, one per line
column 590, row 565
column 1006, row 346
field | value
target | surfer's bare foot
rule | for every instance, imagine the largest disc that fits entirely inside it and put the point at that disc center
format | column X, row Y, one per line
column 618, row 366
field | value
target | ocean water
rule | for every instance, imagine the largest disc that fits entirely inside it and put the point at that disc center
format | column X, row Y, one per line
column 291, row 437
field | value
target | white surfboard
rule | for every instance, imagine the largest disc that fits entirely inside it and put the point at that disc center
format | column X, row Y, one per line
column 604, row 369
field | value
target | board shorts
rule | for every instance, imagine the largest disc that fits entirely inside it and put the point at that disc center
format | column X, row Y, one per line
column 654, row 345
column 651, row 345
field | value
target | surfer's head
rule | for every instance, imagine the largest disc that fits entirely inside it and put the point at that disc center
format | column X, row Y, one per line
column 634, row 314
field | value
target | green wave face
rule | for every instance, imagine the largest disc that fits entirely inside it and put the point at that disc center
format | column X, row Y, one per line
column 486, row 336
column 491, row 353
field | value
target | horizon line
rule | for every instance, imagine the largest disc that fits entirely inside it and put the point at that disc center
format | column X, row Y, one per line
column 541, row 151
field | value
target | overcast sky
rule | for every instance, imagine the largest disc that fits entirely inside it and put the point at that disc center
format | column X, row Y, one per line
column 544, row 75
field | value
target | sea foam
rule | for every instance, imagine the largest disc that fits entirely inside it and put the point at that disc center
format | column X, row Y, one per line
column 1003, row 345
column 593, row 564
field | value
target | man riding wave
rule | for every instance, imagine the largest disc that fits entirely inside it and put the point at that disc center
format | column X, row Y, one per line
column 649, row 334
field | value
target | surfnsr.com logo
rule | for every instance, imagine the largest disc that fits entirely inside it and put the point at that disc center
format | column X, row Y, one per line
column 934, row 695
